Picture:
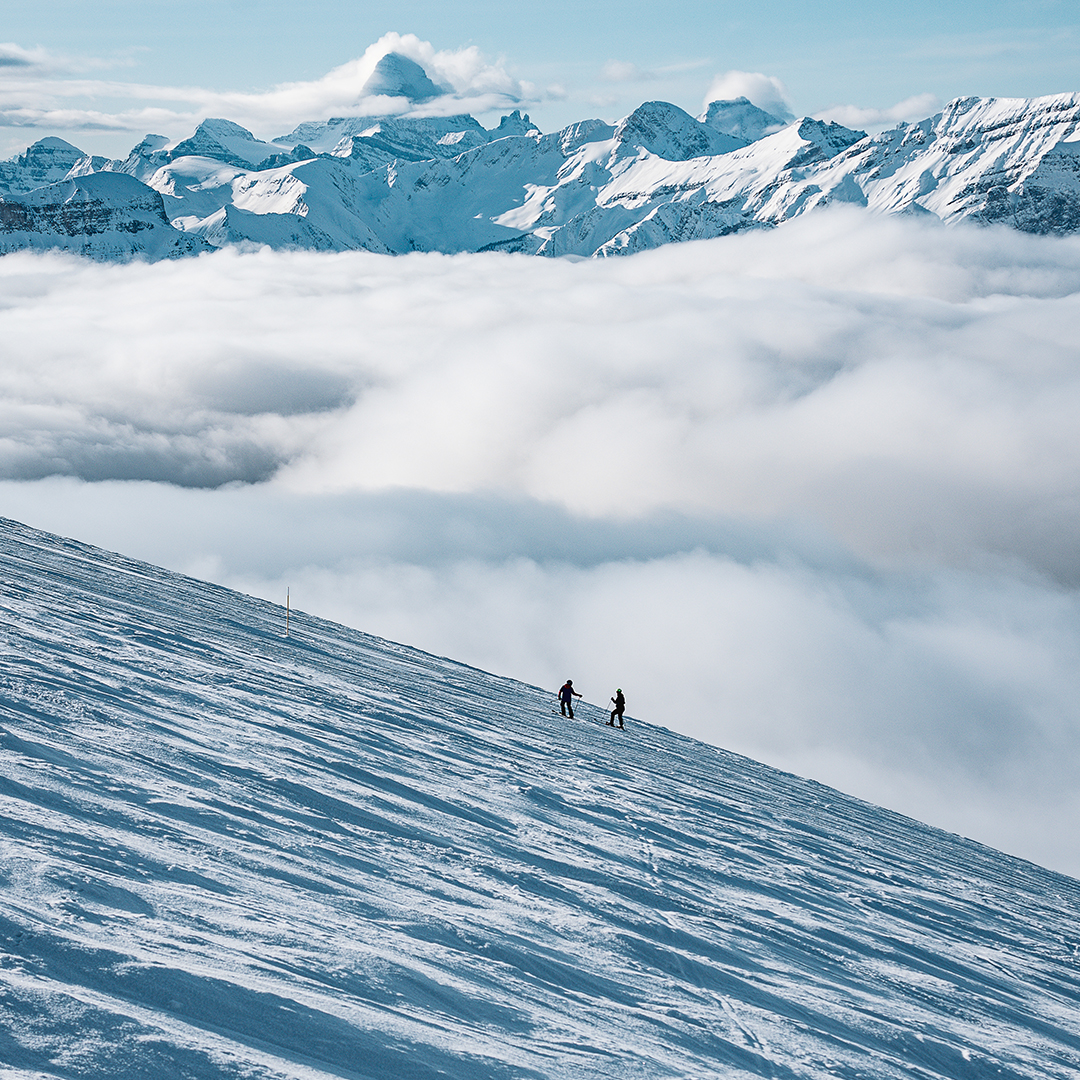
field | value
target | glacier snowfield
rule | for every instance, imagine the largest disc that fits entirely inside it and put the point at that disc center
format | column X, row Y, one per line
column 228, row 853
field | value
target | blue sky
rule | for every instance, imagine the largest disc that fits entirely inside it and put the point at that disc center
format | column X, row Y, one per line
column 103, row 75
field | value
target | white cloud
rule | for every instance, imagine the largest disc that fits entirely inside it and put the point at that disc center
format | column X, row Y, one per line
column 765, row 91
column 15, row 56
column 17, row 62
column 808, row 493
column 521, row 373
column 624, row 71
column 908, row 111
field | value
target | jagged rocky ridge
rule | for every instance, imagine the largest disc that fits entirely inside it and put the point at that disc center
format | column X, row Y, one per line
column 399, row 184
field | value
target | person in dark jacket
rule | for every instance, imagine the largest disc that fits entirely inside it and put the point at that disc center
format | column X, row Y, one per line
column 567, row 693
column 620, row 704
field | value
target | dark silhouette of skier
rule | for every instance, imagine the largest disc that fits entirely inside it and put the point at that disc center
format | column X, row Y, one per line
column 620, row 704
column 567, row 693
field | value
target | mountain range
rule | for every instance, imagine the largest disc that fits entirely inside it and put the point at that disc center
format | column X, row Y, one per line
column 395, row 184
column 233, row 845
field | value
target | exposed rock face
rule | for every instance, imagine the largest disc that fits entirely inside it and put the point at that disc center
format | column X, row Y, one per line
column 107, row 216
column 1047, row 200
column 515, row 124
column 47, row 161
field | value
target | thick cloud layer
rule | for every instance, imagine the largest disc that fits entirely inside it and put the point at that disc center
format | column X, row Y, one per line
column 810, row 494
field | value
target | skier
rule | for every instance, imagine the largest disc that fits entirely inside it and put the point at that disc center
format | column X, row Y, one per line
column 620, row 703
column 567, row 693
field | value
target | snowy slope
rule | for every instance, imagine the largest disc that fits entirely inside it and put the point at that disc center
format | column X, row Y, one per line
column 227, row 853
column 1009, row 160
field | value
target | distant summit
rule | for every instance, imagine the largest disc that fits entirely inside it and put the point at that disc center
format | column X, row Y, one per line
column 398, row 76
column 670, row 133
column 741, row 118
column 222, row 140
column 46, row 162
column 516, row 123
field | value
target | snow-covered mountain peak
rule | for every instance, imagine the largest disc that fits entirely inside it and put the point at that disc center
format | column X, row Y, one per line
column 804, row 143
column 45, row 162
column 225, row 141
column 151, row 143
column 823, row 141
column 1055, row 117
column 671, row 133
column 575, row 136
column 220, row 128
column 742, row 119
column 88, row 164
column 994, row 160
column 396, row 75
column 375, row 142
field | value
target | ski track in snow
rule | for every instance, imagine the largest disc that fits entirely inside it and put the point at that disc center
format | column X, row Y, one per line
column 225, row 853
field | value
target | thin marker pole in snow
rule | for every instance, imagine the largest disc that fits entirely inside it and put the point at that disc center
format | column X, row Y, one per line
column 286, row 612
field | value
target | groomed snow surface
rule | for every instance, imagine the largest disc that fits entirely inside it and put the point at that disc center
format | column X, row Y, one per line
column 227, row 853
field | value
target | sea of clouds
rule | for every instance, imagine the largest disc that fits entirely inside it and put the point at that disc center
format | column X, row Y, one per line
column 812, row 494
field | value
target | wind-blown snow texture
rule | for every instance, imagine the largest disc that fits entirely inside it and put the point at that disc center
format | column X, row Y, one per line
column 405, row 183
column 225, row 853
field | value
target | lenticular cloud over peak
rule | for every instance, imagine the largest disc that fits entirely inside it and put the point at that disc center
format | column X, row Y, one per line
column 765, row 91
column 814, row 487
column 399, row 73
